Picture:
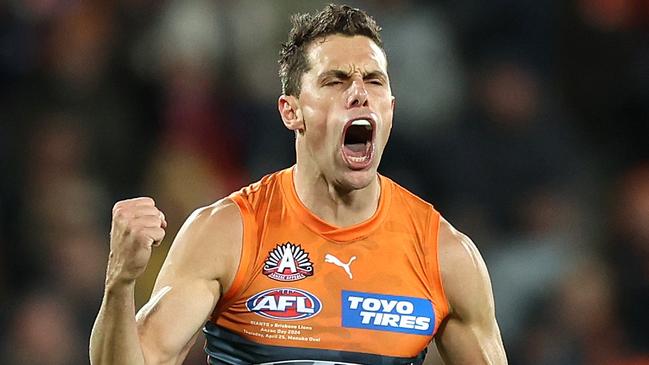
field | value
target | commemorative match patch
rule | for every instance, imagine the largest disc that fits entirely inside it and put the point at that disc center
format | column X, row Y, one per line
column 382, row 312
column 288, row 262
column 284, row 304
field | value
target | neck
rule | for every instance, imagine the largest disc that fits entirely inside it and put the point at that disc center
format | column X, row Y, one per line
column 330, row 202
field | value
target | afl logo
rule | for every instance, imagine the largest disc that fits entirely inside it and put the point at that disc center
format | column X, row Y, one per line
column 288, row 262
column 285, row 304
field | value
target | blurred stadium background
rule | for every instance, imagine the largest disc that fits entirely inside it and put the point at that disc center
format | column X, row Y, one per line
column 526, row 123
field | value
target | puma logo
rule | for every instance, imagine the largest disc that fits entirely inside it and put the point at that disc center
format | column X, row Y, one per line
column 334, row 260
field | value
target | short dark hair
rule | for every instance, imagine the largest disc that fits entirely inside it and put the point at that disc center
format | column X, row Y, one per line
column 333, row 19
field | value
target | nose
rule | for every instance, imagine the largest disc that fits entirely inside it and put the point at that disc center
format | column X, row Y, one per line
column 356, row 94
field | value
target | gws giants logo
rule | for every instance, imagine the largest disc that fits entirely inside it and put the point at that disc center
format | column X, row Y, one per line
column 284, row 303
column 288, row 262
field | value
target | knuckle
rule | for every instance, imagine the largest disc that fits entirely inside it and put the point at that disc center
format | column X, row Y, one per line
column 148, row 200
column 118, row 212
column 120, row 216
column 119, row 206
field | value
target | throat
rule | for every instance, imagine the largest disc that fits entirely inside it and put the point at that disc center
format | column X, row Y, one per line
column 339, row 208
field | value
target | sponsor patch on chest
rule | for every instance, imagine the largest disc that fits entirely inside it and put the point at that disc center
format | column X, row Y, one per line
column 284, row 304
column 288, row 262
column 382, row 312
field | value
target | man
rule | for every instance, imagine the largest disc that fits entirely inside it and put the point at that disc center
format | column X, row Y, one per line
column 326, row 262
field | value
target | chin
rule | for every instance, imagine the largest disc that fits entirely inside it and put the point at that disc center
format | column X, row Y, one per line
column 357, row 179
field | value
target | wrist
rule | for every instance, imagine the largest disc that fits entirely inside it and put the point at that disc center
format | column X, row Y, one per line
column 116, row 280
column 115, row 284
column 117, row 270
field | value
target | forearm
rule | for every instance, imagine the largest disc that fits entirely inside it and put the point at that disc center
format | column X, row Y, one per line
column 114, row 338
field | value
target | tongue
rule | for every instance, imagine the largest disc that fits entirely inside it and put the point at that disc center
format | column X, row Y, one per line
column 355, row 149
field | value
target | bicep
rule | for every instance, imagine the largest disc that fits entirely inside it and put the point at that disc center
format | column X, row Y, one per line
column 464, row 342
column 200, row 263
column 169, row 322
column 470, row 334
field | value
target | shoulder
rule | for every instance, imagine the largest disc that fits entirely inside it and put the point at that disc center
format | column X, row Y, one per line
column 406, row 197
column 209, row 242
column 256, row 189
column 464, row 272
column 221, row 213
column 213, row 227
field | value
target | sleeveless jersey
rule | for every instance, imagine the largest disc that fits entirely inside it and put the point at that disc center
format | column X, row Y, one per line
column 307, row 292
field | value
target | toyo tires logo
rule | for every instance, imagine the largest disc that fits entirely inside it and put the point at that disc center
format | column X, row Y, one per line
column 285, row 304
column 382, row 312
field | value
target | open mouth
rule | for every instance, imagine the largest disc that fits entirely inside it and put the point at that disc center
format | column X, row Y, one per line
column 358, row 146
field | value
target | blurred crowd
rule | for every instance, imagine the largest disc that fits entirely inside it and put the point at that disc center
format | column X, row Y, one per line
column 525, row 122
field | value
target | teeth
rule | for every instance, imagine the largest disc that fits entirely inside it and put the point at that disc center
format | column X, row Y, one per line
column 357, row 159
column 363, row 122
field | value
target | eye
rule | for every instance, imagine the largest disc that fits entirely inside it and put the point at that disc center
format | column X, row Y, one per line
column 333, row 82
column 376, row 82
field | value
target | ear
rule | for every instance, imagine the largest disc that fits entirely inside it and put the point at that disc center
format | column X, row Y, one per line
column 289, row 109
column 394, row 103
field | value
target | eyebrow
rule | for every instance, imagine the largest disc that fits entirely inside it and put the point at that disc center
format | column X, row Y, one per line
column 344, row 75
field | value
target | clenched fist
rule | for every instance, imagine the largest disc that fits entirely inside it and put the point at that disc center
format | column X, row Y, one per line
column 137, row 226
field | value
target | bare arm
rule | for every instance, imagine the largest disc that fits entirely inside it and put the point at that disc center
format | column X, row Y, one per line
column 202, row 261
column 470, row 334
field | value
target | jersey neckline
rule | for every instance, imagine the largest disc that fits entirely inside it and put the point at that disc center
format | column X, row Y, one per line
column 334, row 233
